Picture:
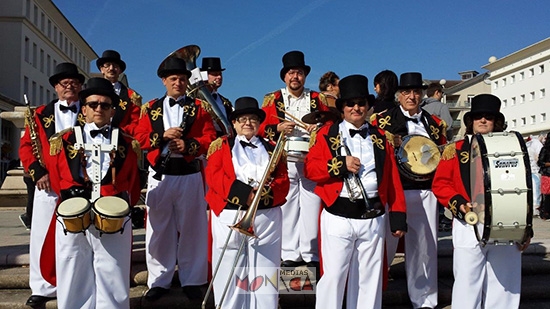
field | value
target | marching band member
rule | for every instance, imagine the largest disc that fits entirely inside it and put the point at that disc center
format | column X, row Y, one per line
column 178, row 128
column 422, row 215
column 93, row 268
column 352, row 238
column 127, row 109
column 485, row 277
column 213, row 68
column 301, row 211
column 235, row 165
column 50, row 118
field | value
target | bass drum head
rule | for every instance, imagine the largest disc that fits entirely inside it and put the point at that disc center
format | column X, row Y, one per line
column 418, row 155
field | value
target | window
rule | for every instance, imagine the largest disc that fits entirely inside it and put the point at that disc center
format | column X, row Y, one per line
column 513, row 101
column 60, row 40
column 521, row 75
column 55, row 34
column 26, row 85
column 514, row 123
column 512, row 79
column 543, row 117
column 41, row 60
column 504, row 82
column 522, row 99
column 504, row 103
column 42, row 22
column 34, row 54
column 523, row 122
column 531, row 72
column 49, row 28
column 496, row 85
column 542, row 93
column 27, row 49
column 541, row 68
column 35, row 16
column 34, row 92
column 28, row 9
column 533, row 119
column 531, row 96
column 48, row 66
column 66, row 45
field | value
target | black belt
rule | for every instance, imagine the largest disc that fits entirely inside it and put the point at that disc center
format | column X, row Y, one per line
column 178, row 167
column 232, row 206
column 343, row 207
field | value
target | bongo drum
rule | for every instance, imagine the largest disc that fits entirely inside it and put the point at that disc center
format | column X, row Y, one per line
column 75, row 213
column 297, row 147
column 501, row 188
column 418, row 157
column 110, row 213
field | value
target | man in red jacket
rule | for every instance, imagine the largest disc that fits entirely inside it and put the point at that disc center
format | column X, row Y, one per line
column 95, row 160
column 235, row 167
column 351, row 162
column 50, row 118
column 176, row 131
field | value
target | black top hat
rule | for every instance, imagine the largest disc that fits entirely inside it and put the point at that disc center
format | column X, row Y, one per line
column 99, row 86
column 171, row 66
column 211, row 64
column 294, row 59
column 484, row 104
column 353, row 87
column 247, row 105
column 411, row 80
column 110, row 56
column 65, row 70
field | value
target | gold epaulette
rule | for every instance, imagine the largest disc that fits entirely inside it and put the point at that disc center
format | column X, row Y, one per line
column 136, row 98
column 389, row 138
column 268, row 99
column 449, row 152
column 372, row 118
column 56, row 141
column 135, row 144
column 144, row 108
column 214, row 146
column 323, row 98
column 312, row 138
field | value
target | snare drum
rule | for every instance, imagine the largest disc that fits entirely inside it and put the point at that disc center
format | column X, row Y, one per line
column 110, row 213
column 501, row 187
column 297, row 147
column 418, row 157
column 75, row 213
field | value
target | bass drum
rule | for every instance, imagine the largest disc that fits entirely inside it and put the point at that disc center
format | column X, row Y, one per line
column 501, row 188
column 418, row 157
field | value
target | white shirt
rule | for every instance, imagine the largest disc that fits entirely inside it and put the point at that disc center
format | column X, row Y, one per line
column 117, row 87
column 65, row 119
column 249, row 163
column 172, row 117
column 297, row 107
column 415, row 128
column 99, row 139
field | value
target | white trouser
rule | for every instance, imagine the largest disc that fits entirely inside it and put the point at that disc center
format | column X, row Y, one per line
column 488, row 277
column 93, row 271
column 176, row 230
column 353, row 252
column 43, row 216
column 300, row 217
column 537, row 197
column 421, row 247
column 260, row 257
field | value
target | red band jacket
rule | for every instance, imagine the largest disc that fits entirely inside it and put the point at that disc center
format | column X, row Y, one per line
column 224, row 188
column 198, row 134
column 127, row 111
column 274, row 107
column 325, row 166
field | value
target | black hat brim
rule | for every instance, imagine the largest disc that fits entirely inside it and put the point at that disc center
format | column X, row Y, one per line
column 98, row 91
column 54, row 79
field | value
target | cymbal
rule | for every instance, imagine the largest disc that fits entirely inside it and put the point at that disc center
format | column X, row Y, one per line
column 321, row 116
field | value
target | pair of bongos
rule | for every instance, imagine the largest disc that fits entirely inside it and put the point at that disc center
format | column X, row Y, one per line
column 109, row 214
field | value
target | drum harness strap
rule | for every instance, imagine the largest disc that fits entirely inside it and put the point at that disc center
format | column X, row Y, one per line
column 96, row 150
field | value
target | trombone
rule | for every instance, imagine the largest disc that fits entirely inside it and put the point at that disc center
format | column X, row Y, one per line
column 246, row 225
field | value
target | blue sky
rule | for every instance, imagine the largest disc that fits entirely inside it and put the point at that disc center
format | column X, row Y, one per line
column 437, row 38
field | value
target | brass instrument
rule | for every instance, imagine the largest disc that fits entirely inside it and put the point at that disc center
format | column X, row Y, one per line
column 245, row 226
column 370, row 211
column 189, row 54
column 35, row 140
column 164, row 162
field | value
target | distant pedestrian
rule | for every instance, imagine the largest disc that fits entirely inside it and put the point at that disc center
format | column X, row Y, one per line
column 544, row 164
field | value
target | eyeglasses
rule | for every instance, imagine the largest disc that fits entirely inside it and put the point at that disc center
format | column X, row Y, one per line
column 488, row 117
column 244, row 119
column 296, row 72
column 69, row 83
column 361, row 103
column 109, row 64
column 104, row 105
column 406, row 92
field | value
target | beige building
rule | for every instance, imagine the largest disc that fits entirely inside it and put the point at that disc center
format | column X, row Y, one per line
column 36, row 37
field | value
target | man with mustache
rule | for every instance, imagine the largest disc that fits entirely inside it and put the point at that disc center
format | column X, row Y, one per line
column 283, row 108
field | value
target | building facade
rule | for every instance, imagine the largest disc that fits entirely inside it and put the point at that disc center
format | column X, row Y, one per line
column 522, row 81
column 35, row 37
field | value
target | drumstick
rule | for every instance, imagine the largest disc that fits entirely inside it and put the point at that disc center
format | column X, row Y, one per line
column 295, row 119
column 298, row 124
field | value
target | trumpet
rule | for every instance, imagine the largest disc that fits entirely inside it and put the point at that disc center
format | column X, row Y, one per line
column 245, row 225
column 353, row 181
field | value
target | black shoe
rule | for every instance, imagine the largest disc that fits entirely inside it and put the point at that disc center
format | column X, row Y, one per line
column 193, row 292
column 155, row 293
column 289, row 263
column 37, row 301
column 26, row 221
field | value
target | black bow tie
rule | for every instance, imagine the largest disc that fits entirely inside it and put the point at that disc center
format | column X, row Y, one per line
column 64, row 108
column 173, row 102
column 104, row 131
column 244, row 144
column 415, row 120
column 363, row 132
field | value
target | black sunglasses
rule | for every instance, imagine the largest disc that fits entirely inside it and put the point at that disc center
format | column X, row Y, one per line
column 104, row 105
column 361, row 103
column 489, row 117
